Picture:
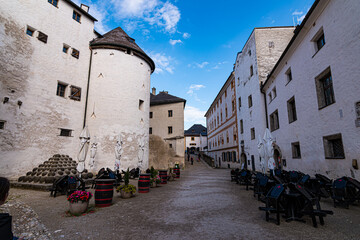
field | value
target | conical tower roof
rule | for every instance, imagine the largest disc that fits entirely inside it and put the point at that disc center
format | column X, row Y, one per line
column 118, row 38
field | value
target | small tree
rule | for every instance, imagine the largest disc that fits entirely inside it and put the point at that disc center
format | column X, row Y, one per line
column 127, row 177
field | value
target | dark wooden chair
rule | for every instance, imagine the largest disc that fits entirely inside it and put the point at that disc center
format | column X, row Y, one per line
column 261, row 186
column 59, row 186
column 307, row 203
column 244, row 178
column 340, row 193
column 273, row 203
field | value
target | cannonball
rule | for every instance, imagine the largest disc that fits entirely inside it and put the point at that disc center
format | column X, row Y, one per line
column 20, row 179
column 30, row 178
column 67, row 172
column 44, row 173
column 35, row 169
column 42, row 179
column 36, row 179
column 38, row 173
column 90, row 175
column 73, row 171
column 84, row 176
column 85, row 170
column 60, row 173
column 33, row 173
column 25, row 179
column 28, row 173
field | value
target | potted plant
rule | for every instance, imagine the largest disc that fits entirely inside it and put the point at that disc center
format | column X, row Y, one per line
column 171, row 176
column 79, row 201
column 127, row 190
column 154, row 178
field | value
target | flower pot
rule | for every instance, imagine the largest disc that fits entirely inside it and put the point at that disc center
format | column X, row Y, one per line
column 125, row 194
column 78, row 207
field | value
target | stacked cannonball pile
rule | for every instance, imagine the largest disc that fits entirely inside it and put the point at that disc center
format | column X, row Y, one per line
column 53, row 169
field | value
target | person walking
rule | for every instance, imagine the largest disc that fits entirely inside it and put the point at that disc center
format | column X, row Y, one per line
column 192, row 161
column 188, row 156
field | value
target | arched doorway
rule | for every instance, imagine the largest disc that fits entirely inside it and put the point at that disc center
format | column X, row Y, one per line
column 243, row 160
column 277, row 157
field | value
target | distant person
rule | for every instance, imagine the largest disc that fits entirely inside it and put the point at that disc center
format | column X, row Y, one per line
column 199, row 155
column 188, row 157
column 192, row 161
column 5, row 218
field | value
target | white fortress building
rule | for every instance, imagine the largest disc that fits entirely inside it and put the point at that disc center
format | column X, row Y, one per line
column 59, row 75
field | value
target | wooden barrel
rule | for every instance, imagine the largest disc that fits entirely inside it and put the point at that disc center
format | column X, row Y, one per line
column 144, row 183
column 177, row 171
column 163, row 176
column 104, row 191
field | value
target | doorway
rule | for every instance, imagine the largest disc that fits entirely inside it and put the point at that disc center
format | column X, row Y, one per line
column 253, row 162
column 243, row 160
column 277, row 159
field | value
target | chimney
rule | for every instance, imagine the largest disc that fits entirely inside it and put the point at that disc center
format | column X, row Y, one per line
column 153, row 91
column 85, row 8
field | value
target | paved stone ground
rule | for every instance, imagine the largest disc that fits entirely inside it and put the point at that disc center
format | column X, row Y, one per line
column 202, row 204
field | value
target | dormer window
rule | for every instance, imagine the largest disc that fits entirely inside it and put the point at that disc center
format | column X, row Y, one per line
column 131, row 40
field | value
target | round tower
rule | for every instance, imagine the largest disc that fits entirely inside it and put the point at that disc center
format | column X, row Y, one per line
column 118, row 101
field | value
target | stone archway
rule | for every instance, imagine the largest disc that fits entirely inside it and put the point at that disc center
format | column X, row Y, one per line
column 277, row 157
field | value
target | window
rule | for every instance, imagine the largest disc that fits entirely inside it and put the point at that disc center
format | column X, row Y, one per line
column 192, row 138
column 250, row 101
column 249, row 52
column 65, row 132
column 76, row 16
column 227, row 138
column 320, row 42
column 274, row 121
column 75, row 93
column 295, row 147
column 30, row 31
column 65, row 48
column 233, row 105
column 241, row 126
column 170, row 113
column 291, row 110
column 252, row 131
column 270, row 97
column 271, row 44
column 150, row 130
column 251, row 70
column 61, row 87
column 2, row 124
column 274, row 93
column 220, row 100
column 235, row 137
column 357, row 110
column 225, row 92
column 170, row 130
column 170, row 145
column 42, row 37
column 150, row 114
column 226, row 112
column 75, row 53
column 324, row 89
column 221, row 116
column 239, row 103
column 53, row 2
column 141, row 104
column 288, row 75
column 333, row 147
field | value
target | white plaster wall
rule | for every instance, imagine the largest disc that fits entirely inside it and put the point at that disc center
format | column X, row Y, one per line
column 30, row 70
column 196, row 141
column 226, row 126
column 118, row 81
column 160, row 123
column 340, row 22
column 203, row 142
column 262, row 58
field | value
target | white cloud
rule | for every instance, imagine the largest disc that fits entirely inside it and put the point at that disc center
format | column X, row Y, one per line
column 155, row 12
column 201, row 65
column 162, row 63
column 194, row 87
column 218, row 65
column 173, row 42
column 186, row 35
column 296, row 12
column 193, row 115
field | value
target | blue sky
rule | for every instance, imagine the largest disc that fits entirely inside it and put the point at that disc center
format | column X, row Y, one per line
column 193, row 42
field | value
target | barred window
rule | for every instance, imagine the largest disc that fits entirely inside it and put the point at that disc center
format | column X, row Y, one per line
column 75, row 93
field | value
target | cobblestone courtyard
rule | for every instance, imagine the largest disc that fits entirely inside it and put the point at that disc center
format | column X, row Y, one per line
column 202, row 204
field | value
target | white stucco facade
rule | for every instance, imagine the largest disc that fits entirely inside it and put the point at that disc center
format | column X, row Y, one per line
column 253, row 63
column 30, row 72
column 339, row 22
column 223, row 145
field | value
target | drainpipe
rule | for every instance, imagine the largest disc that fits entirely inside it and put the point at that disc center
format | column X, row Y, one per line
column 87, row 88
column 266, row 111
